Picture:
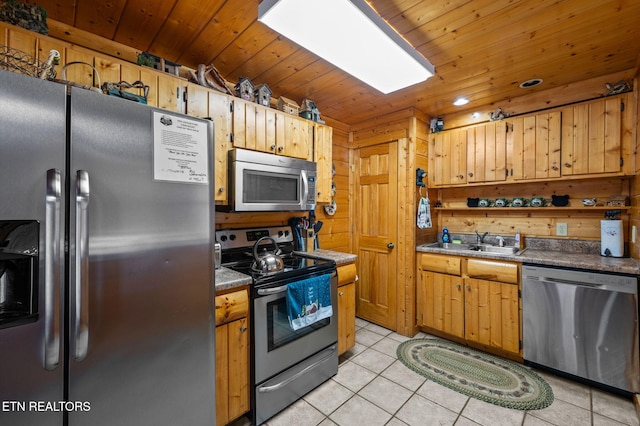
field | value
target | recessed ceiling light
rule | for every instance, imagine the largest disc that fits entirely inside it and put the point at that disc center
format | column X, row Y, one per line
column 461, row 101
column 530, row 83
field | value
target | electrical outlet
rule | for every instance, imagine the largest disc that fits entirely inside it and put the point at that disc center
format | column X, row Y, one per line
column 561, row 229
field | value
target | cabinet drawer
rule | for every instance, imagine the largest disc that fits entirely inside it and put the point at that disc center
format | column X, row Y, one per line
column 346, row 274
column 440, row 263
column 231, row 306
column 492, row 270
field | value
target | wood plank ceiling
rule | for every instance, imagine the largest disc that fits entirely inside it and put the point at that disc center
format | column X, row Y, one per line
column 481, row 49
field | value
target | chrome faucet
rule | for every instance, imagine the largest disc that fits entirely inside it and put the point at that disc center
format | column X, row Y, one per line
column 480, row 239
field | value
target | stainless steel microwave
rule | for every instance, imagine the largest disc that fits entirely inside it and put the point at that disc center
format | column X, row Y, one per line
column 267, row 182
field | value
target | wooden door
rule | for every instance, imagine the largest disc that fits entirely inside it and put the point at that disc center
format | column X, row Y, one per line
column 492, row 315
column 376, row 219
column 441, row 303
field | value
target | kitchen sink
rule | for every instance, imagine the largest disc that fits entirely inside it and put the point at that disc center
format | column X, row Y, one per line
column 488, row 248
column 499, row 250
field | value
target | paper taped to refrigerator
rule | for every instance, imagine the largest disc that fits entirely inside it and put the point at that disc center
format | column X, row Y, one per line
column 180, row 151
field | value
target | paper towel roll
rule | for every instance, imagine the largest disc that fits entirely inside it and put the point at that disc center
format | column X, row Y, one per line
column 611, row 239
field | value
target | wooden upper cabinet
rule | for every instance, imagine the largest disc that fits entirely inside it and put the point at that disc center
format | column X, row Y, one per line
column 448, row 158
column 486, row 152
column 535, row 146
column 207, row 103
column 294, row 136
column 592, row 137
column 322, row 155
column 261, row 128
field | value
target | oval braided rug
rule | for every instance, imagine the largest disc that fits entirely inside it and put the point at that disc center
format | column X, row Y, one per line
column 476, row 374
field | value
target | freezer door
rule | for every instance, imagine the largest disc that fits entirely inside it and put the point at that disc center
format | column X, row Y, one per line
column 32, row 158
column 141, row 273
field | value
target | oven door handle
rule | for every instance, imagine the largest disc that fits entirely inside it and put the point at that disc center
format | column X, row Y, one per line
column 280, row 289
column 274, row 290
column 278, row 386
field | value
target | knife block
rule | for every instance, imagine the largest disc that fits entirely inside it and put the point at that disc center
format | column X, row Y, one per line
column 309, row 240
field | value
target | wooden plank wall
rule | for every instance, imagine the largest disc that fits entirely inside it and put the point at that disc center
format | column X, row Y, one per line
column 336, row 230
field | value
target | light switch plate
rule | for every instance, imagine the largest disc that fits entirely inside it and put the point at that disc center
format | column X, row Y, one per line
column 561, row 229
column 634, row 233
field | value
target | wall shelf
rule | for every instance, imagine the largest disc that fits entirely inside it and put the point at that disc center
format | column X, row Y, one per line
column 535, row 209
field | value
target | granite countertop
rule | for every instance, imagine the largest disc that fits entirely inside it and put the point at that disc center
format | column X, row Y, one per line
column 228, row 279
column 339, row 257
column 568, row 259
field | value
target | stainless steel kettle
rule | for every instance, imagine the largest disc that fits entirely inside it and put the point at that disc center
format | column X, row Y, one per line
column 270, row 261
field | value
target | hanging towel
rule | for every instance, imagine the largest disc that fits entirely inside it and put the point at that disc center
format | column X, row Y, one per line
column 309, row 301
column 424, row 213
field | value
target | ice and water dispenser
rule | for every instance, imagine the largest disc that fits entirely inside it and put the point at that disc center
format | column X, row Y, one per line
column 18, row 272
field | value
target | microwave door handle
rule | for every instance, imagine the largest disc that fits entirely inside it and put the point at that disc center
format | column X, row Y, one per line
column 305, row 189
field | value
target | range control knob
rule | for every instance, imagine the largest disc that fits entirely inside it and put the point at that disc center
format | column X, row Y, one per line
column 232, row 237
column 280, row 234
column 223, row 238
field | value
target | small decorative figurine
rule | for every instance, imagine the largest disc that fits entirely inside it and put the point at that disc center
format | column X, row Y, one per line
column 287, row 105
column 244, row 89
column 309, row 110
column 262, row 95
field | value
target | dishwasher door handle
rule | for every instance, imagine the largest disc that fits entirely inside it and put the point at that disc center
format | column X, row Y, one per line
column 590, row 285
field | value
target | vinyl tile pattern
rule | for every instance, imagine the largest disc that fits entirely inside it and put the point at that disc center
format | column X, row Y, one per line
column 374, row 388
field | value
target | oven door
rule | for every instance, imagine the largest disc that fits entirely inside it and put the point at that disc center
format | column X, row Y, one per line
column 277, row 346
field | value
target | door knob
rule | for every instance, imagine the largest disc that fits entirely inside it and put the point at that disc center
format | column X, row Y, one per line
column 390, row 246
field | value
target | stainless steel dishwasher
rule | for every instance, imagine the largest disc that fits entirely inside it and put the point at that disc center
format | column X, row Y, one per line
column 582, row 323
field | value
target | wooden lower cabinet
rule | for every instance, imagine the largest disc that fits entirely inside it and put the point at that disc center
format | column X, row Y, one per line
column 232, row 356
column 492, row 317
column 480, row 305
column 441, row 303
column 347, row 278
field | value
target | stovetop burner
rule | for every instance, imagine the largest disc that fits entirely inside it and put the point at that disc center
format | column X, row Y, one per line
column 237, row 246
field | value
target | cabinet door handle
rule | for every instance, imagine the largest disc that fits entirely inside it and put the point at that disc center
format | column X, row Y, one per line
column 468, row 287
column 273, row 147
column 458, row 286
column 243, row 329
column 470, row 174
column 280, row 148
column 341, row 293
column 567, row 165
column 221, row 189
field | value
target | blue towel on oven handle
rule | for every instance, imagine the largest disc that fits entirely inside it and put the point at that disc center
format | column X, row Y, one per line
column 309, row 301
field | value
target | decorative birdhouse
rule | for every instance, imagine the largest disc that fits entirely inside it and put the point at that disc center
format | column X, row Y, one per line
column 262, row 95
column 244, row 89
column 287, row 105
column 309, row 110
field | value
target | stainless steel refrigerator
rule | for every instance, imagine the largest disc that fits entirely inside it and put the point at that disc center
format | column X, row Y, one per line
column 106, row 274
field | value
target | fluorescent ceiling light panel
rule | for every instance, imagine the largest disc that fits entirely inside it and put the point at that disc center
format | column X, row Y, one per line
column 352, row 36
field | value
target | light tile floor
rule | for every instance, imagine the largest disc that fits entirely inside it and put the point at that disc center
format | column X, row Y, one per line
column 374, row 388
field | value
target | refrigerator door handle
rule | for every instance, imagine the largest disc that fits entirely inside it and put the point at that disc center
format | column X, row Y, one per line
column 52, row 270
column 81, row 312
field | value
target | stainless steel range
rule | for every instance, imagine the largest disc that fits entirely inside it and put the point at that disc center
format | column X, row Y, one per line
column 286, row 363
